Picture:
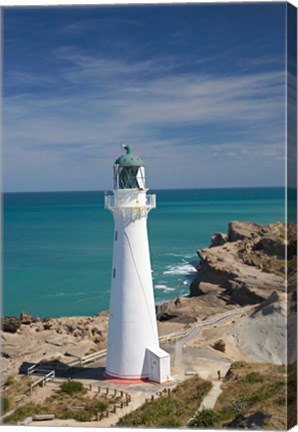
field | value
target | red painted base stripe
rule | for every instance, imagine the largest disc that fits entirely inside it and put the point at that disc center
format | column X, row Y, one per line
column 122, row 380
column 128, row 380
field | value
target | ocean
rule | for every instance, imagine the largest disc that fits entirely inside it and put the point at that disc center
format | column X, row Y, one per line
column 57, row 247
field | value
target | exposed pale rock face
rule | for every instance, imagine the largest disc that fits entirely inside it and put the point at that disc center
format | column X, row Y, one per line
column 26, row 318
column 243, row 267
column 248, row 267
column 244, row 230
column 55, row 338
column 263, row 334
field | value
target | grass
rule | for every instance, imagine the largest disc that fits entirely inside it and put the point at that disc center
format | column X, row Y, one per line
column 253, row 377
column 206, row 418
column 23, row 412
column 292, row 394
column 73, row 403
column 252, row 390
column 15, row 388
column 173, row 411
column 5, row 404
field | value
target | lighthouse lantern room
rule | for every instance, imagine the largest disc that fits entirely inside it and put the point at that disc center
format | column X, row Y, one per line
column 133, row 349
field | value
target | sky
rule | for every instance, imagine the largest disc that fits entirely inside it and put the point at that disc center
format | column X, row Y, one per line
column 198, row 90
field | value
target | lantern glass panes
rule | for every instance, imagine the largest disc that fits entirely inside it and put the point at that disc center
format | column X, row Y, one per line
column 130, row 177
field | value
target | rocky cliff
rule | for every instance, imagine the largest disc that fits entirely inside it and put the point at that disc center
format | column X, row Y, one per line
column 241, row 267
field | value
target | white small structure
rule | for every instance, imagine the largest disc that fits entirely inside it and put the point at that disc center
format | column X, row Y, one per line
column 132, row 337
column 159, row 364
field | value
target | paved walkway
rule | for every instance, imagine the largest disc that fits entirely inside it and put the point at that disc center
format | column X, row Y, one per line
column 209, row 401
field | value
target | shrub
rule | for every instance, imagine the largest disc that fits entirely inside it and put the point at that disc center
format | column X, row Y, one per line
column 5, row 404
column 239, row 405
column 79, row 415
column 205, row 418
column 72, row 387
column 99, row 407
column 83, row 416
column 219, row 345
column 9, row 380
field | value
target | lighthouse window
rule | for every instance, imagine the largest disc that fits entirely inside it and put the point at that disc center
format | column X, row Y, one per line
column 128, row 178
column 114, row 273
column 116, row 235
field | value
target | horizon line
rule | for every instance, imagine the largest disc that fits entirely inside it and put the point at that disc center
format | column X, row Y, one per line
column 154, row 189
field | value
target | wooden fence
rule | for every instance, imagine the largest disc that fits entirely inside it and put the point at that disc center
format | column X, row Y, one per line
column 89, row 358
column 43, row 380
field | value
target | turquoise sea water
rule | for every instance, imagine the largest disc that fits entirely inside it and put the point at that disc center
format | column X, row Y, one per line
column 58, row 246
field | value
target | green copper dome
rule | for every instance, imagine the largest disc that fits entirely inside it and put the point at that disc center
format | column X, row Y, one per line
column 129, row 159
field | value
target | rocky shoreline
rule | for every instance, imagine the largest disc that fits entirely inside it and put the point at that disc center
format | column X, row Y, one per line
column 245, row 266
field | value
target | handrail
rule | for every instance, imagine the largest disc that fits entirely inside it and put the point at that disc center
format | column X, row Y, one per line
column 31, row 368
column 183, row 333
column 165, row 338
column 44, row 379
column 88, row 358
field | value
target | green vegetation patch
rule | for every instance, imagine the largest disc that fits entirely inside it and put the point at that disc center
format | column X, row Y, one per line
column 9, row 380
column 73, row 403
column 253, row 396
column 72, row 387
column 291, row 395
column 206, row 418
column 5, row 404
column 253, row 377
column 173, row 411
column 23, row 412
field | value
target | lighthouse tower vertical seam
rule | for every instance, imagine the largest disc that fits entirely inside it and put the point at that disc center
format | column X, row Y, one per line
column 133, row 351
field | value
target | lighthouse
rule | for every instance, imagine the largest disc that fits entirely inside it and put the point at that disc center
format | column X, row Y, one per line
column 133, row 351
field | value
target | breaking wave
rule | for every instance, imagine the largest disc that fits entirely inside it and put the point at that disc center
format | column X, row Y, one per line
column 164, row 288
column 180, row 269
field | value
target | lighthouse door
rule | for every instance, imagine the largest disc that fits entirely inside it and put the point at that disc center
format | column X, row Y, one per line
column 154, row 368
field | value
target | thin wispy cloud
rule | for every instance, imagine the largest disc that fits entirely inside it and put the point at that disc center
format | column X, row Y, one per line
column 196, row 119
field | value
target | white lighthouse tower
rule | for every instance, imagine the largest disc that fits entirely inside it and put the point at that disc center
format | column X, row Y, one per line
column 133, row 349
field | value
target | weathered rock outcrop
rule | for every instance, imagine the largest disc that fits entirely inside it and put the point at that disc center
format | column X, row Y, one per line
column 34, row 340
column 26, row 318
column 247, row 267
column 10, row 324
column 244, row 267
